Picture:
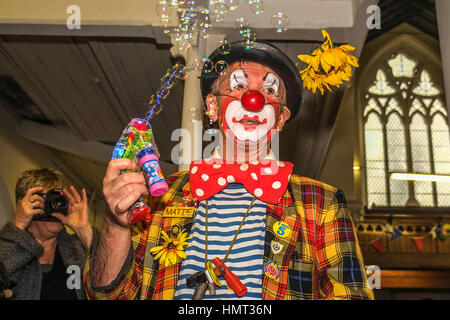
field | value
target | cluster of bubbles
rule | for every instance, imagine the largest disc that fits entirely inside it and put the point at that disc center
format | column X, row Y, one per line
column 193, row 19
column 222, row 7
column 178, row 71
column 209, row 66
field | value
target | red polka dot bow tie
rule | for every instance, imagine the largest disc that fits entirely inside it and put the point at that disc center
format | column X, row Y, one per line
column 266, row 180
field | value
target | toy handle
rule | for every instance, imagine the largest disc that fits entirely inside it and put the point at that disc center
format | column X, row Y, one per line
column 232, row 280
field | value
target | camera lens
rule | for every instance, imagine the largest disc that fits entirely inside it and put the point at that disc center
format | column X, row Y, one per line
column 58, row 203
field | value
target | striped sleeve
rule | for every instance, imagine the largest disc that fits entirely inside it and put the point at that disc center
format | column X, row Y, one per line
column 339, row 259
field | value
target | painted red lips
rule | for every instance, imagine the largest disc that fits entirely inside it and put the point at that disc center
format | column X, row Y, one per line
column 249, row 123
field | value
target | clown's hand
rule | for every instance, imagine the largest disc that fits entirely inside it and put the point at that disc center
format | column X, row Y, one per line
column 121, row 191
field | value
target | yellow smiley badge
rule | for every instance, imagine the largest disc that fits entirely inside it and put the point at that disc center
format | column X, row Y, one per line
column 282, row 229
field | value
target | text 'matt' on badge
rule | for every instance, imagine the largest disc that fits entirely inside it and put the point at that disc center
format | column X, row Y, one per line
column 282, row 229
column 178, row 212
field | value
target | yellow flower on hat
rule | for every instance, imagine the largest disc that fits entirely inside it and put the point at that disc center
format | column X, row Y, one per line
column 171, row 249
column 327, row 65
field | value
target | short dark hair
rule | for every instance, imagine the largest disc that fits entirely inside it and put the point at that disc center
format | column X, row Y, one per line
column 45, row 177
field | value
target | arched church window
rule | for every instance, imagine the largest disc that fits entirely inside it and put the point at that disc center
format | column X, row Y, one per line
column 405, row 130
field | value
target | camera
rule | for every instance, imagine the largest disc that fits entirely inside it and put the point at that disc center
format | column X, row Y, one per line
column 54, row 202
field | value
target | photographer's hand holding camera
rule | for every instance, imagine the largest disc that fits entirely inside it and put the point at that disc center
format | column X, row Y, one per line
column 35, row 248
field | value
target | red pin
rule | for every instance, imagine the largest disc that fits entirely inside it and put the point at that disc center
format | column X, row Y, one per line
column 253, row 101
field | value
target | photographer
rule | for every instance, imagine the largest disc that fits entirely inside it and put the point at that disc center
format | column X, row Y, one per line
column 35, row 248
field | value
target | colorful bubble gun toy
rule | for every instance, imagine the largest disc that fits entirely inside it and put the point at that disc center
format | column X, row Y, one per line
column 136, row 143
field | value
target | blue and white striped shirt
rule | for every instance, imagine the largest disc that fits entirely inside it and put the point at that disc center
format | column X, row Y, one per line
column 226, row 210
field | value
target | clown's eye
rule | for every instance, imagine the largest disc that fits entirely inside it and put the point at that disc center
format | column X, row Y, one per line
column 239, row 86
column 270, row 91
column 238, row 80
column 271, row 84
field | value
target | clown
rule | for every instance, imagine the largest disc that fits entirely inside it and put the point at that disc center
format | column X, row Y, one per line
column 239, row 224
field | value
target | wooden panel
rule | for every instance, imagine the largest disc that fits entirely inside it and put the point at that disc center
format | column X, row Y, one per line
column 75, row 81
column 416, row 260
column 30, row 73
column 415, row 279
column 402, row 252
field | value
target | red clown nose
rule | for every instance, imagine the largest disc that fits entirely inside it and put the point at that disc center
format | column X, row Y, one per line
column 253, row 101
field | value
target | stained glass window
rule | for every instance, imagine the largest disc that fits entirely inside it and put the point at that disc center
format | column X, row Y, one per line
column 441, row 149
column 420, row 151
column 425, row 86
column 402, row 66
column 397, row 159
column 405, row 130
column 376, row 171
column 381, row 85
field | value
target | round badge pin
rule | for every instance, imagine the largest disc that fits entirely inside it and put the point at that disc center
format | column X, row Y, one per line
column 282, row 229
column 272, row 270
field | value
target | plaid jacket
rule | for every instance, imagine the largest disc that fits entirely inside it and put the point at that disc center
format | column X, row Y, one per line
column 320, row 260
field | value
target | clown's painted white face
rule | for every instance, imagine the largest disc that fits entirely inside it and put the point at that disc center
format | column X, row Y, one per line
column 247, row 125
column 252, row 104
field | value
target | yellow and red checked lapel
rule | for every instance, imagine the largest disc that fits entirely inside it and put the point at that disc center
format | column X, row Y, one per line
column 161, row 280
column 284, row 211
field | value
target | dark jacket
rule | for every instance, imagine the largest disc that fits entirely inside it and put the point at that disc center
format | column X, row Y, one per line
column 19, row 252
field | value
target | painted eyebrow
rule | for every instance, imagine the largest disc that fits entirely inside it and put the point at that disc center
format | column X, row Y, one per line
column 235, row 77
column 274, row 80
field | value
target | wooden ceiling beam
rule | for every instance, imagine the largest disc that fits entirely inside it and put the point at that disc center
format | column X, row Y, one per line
column 51, row 137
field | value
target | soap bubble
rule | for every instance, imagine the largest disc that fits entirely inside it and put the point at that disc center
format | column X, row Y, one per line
column 257, row 6
column 163, row 9
column 189, row 5
column 221, row 66
column 183, row 46
column 195, row 65
column 224, row 47
column 221, row 6
column 205, row 26
column 175, row 3
column 208, row 65
column 280, row 22
column 218, row 16
column 233, row 4
column 180, row 72
column 195, row 114
column 163, row 93
column 240, row 23
column 164, row 25
column 249, row 36
column 154, row 109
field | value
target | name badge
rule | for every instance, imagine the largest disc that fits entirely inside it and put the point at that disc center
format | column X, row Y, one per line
column 178, row 212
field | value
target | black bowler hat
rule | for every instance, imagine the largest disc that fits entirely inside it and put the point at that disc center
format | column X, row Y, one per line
column 260, row 52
